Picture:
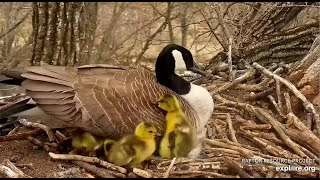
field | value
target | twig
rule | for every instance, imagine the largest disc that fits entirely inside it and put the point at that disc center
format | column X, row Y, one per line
column 30, row 165
column 307, row 105
column 240, row 79
column 230, row 128
column 166, row 174
column 268, row 136
column 142, row 173
column 245, row 152
column 8, row 172
column 105, row 164
column 309, row 121
column 308, row 137
column 256, row 127
column 273, row 149
column 260, row 94
column 12, row 171
column 278, row 91
column 14, row 130
column 49, row 132
column 21, row 136
column 15, row 26
column 39, row 143
column 230, row 59
column 261, row 114
column 100, row 172
column 7, row 124
column 60, row 136
column 201, row 173
column 188, row 161
column 254, row 87
column 288, row 102
column 276, row 106
column 216, row 126
column 236, row 168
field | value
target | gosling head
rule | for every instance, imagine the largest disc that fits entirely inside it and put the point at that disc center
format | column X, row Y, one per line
column 168, row 103
column 146, row 131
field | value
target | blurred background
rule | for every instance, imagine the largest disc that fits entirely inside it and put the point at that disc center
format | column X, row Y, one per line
column 77, row 33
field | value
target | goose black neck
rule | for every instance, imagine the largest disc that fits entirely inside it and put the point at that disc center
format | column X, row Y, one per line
column 172, row 81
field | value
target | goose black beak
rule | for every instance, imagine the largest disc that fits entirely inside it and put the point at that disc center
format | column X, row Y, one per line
column 196, row 69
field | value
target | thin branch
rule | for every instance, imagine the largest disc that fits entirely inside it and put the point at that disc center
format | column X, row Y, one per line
column 49, row 132
column 15, row 26
column 166, row 174
column 307, row 105
column 88, row 159
column 230, row 128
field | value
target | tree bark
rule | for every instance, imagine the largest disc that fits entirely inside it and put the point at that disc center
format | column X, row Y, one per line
column 58, row 32
column 103, row 49
column 184, row 26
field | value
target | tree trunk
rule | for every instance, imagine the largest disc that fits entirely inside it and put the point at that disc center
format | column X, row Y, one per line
column 103, row 49
column 169, row 22
column 184, row 26
column 11, row 19
column 265, row 36
column 58, row 34
column 306, row 76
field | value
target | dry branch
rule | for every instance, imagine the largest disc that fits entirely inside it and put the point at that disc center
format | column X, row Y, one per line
column 240, row 79
column 88, row 159
column 21, row 136
column 231, row 129
column 256, row 127
column 262, row 114
column 307, row 105
column 49, row 132
column 15, row 26
column 288, row 102
column 276, row 106
column 39, row 143
column 142, row 173
column 278, row 91
column 100, row 172
column 11, row 171
column 166, row 174
column 234, row 166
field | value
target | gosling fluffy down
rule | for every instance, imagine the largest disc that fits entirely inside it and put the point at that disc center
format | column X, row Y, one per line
column 180, row 136
column 133, row 149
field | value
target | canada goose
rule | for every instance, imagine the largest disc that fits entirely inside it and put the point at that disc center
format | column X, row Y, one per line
column 179, row 138
column 85, row 141
column 110, row 101
column 135, row 148
column 107, row 144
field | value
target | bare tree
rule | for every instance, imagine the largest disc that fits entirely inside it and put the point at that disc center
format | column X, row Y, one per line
column 184, row 26
column 9, row 34
column 168, row 19
column 104, row 46
column 264, row 33
column 63, row 32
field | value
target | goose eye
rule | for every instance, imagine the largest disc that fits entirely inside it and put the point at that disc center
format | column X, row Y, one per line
column 150, row 131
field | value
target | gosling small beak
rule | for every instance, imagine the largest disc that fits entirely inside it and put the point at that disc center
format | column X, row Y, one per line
column 158, row 134
column 195, row 68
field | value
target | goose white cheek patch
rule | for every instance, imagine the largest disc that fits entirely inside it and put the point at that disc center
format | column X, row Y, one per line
column 180, row 65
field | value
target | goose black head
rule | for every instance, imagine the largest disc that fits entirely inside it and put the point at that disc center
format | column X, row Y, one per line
column 174, row 58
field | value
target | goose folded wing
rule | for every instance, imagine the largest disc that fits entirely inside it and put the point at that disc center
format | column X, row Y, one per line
column 101, row 99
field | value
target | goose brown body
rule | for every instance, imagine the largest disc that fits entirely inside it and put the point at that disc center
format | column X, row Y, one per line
column 104, row 100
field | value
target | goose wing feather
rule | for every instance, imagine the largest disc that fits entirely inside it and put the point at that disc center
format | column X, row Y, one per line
column 102, row 99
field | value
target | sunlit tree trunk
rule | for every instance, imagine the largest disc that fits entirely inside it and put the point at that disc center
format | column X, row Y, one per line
column 63, row 32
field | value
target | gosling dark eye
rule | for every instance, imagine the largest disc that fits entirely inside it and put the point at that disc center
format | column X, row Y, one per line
column 150, row 131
